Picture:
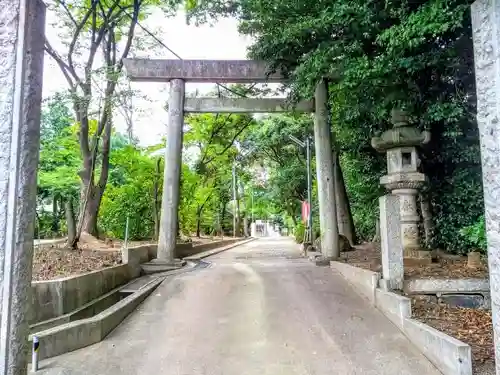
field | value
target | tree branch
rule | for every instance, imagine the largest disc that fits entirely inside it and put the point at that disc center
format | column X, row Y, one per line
column 232, row 141
column 61, row 63
column 76, row 34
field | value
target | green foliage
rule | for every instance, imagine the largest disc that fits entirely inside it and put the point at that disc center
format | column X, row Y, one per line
column 475, row 235
column 283, row 159
column 206, row 190
column 59, row 164
column 130, row 193
column 381, row 55
column 299, row 231
column 363, row 192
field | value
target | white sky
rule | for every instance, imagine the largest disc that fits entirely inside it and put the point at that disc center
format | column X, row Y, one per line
column 221, row 41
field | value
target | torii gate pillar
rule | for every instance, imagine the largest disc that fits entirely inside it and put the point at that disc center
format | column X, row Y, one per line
column 172, row 174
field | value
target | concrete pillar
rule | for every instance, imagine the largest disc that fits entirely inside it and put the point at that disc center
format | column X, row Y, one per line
column 486, row 34
column 172, row 173
column 391, row 243
column 325, row 175
column 22, row 25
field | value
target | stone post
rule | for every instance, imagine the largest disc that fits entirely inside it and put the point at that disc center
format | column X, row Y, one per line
column 325, row 175
column 391, row 244
column 22, row 25
column 172, row 173
column 486, row 33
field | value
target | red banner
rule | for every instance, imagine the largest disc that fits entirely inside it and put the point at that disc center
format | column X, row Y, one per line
column 306, row 211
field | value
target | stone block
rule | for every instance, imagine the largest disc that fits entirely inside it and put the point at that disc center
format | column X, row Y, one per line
column 449, row 355
column 440, row 286
column 395, row 307
column 391, row 241
column 474, row 260
column 364, row 281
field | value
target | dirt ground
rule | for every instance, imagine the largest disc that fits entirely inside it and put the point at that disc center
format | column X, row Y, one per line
column 368, row 256
column 52, row 261
column 91, row 243
column 471, row 326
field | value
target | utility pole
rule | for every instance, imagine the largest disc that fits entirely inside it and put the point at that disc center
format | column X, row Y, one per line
column 307, row 145
column 234, row 199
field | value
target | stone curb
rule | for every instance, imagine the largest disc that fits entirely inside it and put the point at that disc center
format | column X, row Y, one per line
column 81, row 333
column 365, row 281
column 449, row 285
column 217, row 250
column 449, row 355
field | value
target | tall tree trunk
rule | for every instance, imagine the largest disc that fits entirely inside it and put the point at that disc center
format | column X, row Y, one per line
column 70, row 221
column 199, row 212
column 198, row 221
column 222, row 216
column 344, row 215
column 238, row 217
column 91, row 193
column 55, row 215
column 90, row 210
column 425, row 209
column 237, row 229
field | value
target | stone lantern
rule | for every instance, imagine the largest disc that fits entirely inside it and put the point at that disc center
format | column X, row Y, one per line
column 403, row 178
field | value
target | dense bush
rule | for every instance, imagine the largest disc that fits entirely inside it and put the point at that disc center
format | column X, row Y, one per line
column 299, row 231
column 475, row 235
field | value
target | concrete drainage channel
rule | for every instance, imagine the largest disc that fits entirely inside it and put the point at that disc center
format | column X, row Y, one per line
column 93, row 321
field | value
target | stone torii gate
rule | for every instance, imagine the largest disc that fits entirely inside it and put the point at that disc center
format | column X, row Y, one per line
column 178, row 72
